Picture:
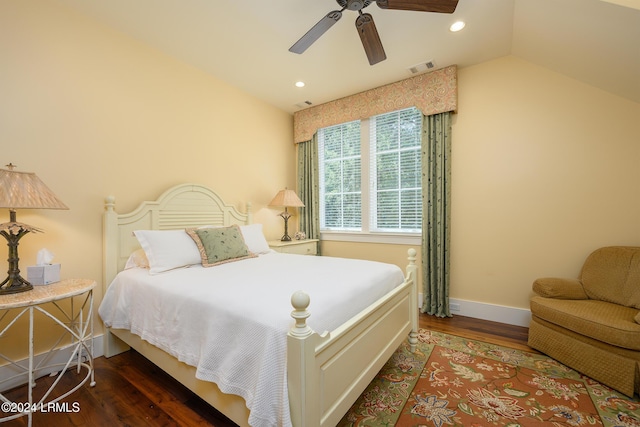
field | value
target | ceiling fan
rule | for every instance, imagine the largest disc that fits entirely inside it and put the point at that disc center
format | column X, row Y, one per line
column 365, row 25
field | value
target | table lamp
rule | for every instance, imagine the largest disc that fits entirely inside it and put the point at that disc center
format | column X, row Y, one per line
column 21, row 190
column 288, row 199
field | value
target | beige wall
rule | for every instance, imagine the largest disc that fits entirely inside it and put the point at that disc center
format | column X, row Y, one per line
column 545, row 170
column 94, row 113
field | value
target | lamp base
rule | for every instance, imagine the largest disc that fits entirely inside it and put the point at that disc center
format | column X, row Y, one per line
column 14, row 285
column 286, row 215
column 13, row 232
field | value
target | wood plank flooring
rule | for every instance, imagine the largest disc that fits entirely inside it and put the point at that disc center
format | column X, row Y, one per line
column 131, row 391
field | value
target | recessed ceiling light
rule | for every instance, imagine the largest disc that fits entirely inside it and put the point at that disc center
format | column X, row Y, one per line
column 457, row 26
column 299, row 84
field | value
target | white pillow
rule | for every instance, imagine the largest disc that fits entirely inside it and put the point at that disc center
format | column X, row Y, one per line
column 254, row 238
column 138, row 259
column 168, row 249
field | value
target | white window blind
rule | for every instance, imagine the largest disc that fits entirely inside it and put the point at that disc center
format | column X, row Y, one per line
column 370, row 175
column 395, row 179
column 340, row 177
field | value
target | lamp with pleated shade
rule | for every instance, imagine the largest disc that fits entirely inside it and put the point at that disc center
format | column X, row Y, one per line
column 288, row 199
column 21, row 190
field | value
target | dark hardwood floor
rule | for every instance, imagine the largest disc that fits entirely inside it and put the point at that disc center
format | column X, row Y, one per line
column 131, row 391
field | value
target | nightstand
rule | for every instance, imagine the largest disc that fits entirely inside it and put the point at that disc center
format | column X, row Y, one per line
column 75, row 320
column 300, row 247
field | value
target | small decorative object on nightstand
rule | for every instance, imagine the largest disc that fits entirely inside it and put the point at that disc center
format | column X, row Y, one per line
column 300, row 247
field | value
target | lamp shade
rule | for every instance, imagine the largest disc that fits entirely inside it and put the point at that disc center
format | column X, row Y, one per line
column 287, row 198
column 24, row 190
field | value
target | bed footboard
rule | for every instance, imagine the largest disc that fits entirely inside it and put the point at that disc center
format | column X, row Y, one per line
column 327, row 373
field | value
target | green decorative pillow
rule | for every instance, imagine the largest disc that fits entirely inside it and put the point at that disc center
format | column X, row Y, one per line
column 220, row 245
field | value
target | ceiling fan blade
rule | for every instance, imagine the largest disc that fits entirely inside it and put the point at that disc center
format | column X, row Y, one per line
column 440, row 6
column 316, row 31
column 370, row 38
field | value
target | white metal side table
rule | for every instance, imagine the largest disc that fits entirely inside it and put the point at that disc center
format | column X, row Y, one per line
column 76, row 321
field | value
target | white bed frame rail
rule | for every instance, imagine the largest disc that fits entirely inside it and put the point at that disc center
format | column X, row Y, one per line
column 326, row 372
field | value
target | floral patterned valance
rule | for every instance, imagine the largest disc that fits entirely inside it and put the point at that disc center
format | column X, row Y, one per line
column 433, row 93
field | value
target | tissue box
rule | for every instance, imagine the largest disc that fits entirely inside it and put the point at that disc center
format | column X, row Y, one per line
column 43, row 274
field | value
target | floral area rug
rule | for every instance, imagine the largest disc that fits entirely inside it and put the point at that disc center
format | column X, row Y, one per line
column 453, row 381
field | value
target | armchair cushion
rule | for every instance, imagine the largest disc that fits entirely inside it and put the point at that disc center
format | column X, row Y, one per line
column 612, row 274
column 602, row 321
column 637, row 318
column 552, row 287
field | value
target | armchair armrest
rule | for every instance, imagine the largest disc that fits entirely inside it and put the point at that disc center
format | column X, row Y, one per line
column 551, row 287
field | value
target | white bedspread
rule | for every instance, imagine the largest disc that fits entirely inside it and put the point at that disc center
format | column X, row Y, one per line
column 231, row 321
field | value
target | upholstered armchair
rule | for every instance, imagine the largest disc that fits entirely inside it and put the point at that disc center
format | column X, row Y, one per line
column 592, row 324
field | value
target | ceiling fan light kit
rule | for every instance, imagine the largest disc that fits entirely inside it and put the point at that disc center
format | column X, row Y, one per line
column 365, row 25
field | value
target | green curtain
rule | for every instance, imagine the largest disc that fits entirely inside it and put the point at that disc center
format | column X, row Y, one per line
column 309, row 188
column 436, row 212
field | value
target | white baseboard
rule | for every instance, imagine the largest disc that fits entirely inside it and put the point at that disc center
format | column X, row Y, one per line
column 492, row 312
column 484, row 311
column 9, row 377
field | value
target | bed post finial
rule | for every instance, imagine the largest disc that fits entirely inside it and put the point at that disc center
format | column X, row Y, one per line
column 300, row 301
column 109, row 203
column 412, row 255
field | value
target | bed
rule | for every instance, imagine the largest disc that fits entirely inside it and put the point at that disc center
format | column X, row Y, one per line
column 323, row 372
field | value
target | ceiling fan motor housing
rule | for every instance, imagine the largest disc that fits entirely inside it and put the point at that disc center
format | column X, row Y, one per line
column 354, row 4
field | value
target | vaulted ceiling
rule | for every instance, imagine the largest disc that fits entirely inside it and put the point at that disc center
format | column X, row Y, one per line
column 245, row 43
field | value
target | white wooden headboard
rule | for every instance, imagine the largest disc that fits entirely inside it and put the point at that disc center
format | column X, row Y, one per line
column 186, row 205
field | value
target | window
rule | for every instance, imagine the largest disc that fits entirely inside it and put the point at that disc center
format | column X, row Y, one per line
column 370, row 175
column 340, row 172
